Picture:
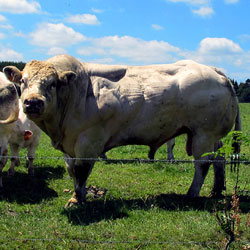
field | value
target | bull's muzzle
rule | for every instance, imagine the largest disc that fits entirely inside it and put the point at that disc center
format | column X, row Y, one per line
column 33, row 107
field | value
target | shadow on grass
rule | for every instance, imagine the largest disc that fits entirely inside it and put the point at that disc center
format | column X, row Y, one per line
column 97, row 210
column 25, row 189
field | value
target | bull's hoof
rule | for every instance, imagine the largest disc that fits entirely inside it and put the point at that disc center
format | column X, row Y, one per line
column 72, row 202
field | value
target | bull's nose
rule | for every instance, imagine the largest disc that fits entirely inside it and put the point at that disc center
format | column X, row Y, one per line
column 33, row 103
column 33, row 107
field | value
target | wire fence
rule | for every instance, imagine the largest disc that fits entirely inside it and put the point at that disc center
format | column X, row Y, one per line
column 233, row 160
column 134, row 160
column 113, row 242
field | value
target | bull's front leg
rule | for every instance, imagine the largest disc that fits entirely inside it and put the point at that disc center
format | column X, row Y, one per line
column 89, row 144
column 79, row 170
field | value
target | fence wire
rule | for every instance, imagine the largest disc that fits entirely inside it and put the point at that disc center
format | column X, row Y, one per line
column 96, row 242
column 233, row 160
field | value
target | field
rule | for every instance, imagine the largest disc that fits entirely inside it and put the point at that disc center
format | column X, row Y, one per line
column 135, row 206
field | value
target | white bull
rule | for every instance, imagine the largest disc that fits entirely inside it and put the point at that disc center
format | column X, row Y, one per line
column 88, row 109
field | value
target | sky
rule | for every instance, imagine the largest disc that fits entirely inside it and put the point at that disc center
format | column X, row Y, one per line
column 130, row 32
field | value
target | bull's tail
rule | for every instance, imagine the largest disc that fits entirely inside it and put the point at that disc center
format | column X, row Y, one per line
column 237, row 134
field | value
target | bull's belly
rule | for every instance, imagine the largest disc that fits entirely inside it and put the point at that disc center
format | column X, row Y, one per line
column 144, row 135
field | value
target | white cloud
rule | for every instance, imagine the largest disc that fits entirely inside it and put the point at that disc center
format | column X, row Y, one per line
column 19, row 34
column 223, row 45
column 231, row 1
column 10, row 55
column 55, row 35
column 83, row 19
column 204, row 11
column 2, row 18
column 219, row 52
column 106, row 60
column 133, row 49
column 6, row 26
column 97, row 10
column 3, row 24
column 2, row 35
column 244, row 38
column 56, row 51
column 19, row 6
column 191, row 2
column 157, row 27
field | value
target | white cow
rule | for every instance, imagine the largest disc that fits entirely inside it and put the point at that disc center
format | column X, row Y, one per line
column 25, row 134
column 8, row 115
column 87, row 110
column 17, row 132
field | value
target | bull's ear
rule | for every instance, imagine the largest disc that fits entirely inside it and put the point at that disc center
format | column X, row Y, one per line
column 13, row 73
column 66, row 77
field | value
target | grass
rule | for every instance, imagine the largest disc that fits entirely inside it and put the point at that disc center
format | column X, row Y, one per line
column 144, row 206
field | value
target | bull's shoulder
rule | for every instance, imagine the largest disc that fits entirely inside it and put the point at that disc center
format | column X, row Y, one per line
column 110, row 72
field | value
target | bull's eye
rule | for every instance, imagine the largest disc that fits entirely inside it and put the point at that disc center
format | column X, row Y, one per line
column 23, row 83
column 51, row 86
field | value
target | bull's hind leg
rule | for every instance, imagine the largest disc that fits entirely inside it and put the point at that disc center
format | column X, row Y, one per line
column 200, row 145
column 219, row 173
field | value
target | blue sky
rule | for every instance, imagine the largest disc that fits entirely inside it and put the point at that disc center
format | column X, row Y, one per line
column 133, row 32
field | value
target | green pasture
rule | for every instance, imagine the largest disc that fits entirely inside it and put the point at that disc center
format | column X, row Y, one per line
column 136, row 205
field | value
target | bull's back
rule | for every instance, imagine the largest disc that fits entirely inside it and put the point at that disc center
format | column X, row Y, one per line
column 193, row 97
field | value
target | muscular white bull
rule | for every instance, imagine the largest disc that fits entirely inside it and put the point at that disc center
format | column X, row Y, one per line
column 17, row 130
column 87, row 110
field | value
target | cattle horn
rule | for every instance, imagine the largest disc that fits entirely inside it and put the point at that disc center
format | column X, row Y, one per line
column 12, row 73
column 12, row 117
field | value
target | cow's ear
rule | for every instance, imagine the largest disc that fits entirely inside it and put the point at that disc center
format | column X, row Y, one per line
column 66, row 77
column 13, row 74
column 27, row 134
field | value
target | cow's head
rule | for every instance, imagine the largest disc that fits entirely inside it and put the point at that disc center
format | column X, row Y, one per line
column 8, row 101
column 39, row 82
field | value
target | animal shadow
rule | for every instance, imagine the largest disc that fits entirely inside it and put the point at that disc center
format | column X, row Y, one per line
column 98, row 209
column 24, row 189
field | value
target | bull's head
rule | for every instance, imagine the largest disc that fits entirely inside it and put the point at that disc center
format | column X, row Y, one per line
column 39, row 82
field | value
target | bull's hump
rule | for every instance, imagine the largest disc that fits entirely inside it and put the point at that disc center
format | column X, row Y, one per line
column 110, row 72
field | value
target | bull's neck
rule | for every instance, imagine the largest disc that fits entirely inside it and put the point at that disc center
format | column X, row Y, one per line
column 53, row 125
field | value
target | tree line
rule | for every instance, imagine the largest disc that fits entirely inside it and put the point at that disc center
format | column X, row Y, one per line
column 242, row 89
